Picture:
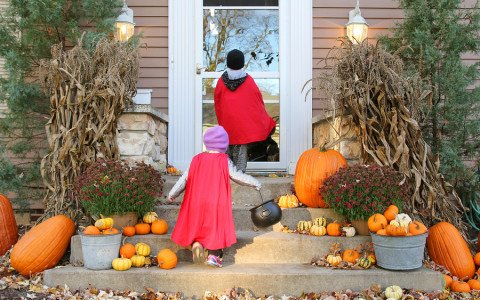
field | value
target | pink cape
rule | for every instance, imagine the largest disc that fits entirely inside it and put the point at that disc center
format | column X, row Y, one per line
column 206, row 212
column 242, row 112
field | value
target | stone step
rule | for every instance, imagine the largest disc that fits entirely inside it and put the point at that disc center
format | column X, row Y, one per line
column 261, row 279
column 241, row 195
column 251, row 247
column 242, row 216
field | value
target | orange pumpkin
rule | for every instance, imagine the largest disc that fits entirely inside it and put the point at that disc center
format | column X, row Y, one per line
column 142, row 228
column 43, row 246
column 334, row 229
column 127, row 250
column 8, row 225
column 446, row 247
column 350, row 256
column 313, row 167
column 167, row 259
column 112, row 230
column 391, row 212
column 376, row 222
column 129, row 231
column 476, row 259
column 91, row 230
column 159, row 226
column 474, row 284
column 416, row 228
column 460, row 287
column 382, row 232
column 448, row 280
column 393, row 230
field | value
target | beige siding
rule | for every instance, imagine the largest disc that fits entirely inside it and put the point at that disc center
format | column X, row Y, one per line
column 151, row 19
column 3, row 106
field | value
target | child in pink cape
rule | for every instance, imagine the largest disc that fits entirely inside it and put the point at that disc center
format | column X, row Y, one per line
column 205, row 220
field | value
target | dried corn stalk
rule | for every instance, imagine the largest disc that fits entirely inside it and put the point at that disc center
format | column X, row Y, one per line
column 372, row 85
column 88, row 92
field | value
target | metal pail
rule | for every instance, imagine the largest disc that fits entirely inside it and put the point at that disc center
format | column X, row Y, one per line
column 100, row 250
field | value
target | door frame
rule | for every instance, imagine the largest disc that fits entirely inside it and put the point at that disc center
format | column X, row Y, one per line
column 295, row 20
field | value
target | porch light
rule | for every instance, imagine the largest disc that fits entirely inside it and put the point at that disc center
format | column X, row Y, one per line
column 124, row 24
column 357, row 27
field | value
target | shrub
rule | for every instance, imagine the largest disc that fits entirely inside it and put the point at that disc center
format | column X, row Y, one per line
column 359, row 191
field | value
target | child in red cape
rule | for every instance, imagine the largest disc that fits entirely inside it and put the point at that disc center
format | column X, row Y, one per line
column 205, row 220
column 240, row 109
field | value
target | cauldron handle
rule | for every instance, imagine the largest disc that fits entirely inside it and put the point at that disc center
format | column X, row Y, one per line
column 261, row 196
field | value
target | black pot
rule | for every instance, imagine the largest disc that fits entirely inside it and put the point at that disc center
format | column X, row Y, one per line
column 266, row 214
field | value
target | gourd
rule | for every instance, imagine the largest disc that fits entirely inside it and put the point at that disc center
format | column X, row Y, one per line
column 403, row 220
column 304, row 225
column 476, row 259
column 372, row 258
column 446, row 247
column 167, row 259
column 110, row 231
column 416, row 228
column 376, row 222
column 8, row 225
column 364, row 263
column 313, row 167
column 393, row 230
column 288, row 201
column 391, row 212
column 159, row 226
column 318, row 230
column 349, row 231
column 350, row 256
column 149, row 217
column 394, row 223
column 129, row 231
column 142, row 228
column 394, row 292
column 172, row 170
column 121, row 264
column 127, row 250
column 320, row 221
column 474, row 284
column 43, row 246
column 104, row 223
column 382, row 232
column 138, row 261
column 448, row 280
column 334, row 259
column 460, row 287
column 142, row 249
column 91, row 230
column 334, row 229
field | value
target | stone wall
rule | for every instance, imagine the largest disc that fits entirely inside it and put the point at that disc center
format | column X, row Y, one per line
column 142, row 136
column 326, row 130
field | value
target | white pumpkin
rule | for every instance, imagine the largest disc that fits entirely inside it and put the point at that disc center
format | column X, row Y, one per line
column 349, row 231
column 403, row 220
column 394, row 292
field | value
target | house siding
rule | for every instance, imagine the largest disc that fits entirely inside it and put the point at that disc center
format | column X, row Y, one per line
column 3, row 105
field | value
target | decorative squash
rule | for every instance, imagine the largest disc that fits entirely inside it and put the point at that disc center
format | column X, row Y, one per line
column 372, row 258
column 8, row 225
column 159, row 226
column 460, row 287
column 476, row 259
column 138, row 261
column 91, row 230
column 376, row 222
column 391, row 212
column 364, row 263
column 129, row 231
column 394, row 292
column 318, row 230
column 43, row 246
column 288, row 201
column 172, row 170
column 121, row 264
column 474, row 284
column 142, row 249
column 334, row 259
column 403, row 220
column 127, row 250
column 350, row 256
column 393, row 230
column 104, row 223
column 320, row 221
column 304, row 226
column 394, row 223
column 349, row 231
column 167, row 259
column 149, row 217
column 334, row 229
column 110, row 231
column 142, row 228
column 416, row 228
column 448, row 280
column 446, row 247
column 313, row 167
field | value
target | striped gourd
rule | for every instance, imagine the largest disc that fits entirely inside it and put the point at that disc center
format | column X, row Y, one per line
column 318, row 230
column 321, row 221
column 304, row 225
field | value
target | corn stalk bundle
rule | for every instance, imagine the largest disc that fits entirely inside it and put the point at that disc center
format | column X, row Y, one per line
column 88, row 91
column 371, row 84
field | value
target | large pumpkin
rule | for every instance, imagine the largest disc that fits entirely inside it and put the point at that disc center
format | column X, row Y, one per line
column 313, row 167
column 447, row 247
column 43, row 246
column 8, row 226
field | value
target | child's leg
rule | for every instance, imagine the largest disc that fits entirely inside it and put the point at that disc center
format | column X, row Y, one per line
column 215, row 258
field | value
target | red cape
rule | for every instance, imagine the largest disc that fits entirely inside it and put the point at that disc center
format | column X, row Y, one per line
column 242, row 112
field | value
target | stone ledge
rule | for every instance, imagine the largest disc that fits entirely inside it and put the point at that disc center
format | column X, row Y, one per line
column 148, row 109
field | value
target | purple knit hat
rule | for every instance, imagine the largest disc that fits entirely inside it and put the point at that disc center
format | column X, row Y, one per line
column 216, row 138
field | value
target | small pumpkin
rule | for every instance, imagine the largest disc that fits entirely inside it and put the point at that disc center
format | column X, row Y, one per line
column 150, row 217
column 394, row 292
column 391, row 212
column 8, row 225
column 129, row 231
column 448, row 280
column 172, row 170
column 110, row 231
column 159, row 226
column 350, row 256
column 460, row 287
column 121, row 264
column 138, row 261
column 393, row 230
column 127, row 250
column 334, row 259
column 288, row 201
column 364, row 263
column 104, row 223
column 416, row 228
column 376, row 222
column 403, row 220
column 474, row 284
column 318, row 230
column 334, row 229
column 167, row 259
column 304, row 226
column 349, row 231
column 476, row 259
column 142, row 249
column 91, row 230
column 142, row 228
column 320, row 221
column 382, row 232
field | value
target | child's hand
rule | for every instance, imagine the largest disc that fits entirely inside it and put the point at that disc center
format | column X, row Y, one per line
column 258, row 187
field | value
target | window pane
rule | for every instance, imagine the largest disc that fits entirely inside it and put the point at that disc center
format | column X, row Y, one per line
column 240, row 2
column 253, row 31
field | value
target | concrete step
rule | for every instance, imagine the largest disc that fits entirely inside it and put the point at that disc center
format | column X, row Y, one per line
column 251, row 247
column 243, row 221
column 260, row 279
column 271, row 188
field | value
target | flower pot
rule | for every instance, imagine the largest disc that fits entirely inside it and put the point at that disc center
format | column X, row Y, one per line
column 121, row 221
column 361, row 227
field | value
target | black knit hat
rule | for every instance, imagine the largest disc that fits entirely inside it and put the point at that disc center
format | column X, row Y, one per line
column 235, row 59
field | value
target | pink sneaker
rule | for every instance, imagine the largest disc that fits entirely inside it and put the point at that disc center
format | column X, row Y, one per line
column 214, row 261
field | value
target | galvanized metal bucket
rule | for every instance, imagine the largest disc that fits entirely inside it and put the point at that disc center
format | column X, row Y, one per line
column 99, row 250
column 399, row 252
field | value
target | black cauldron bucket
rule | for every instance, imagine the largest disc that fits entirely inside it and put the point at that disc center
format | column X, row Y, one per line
column 266, row 214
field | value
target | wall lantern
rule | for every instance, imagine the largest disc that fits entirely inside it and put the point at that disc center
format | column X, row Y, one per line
column 357, row 27
column 124, row 24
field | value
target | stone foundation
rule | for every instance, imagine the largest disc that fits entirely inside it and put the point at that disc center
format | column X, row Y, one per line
column 142, row 136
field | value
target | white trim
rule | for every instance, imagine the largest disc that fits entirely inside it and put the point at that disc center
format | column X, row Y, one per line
column 240, row 7
column 143, row 96
column 256, row 75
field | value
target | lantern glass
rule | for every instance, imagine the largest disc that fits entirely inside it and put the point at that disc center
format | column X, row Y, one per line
column 125, row 31
column 357, row 32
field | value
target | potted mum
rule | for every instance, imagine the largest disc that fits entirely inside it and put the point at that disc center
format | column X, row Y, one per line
column 359, row 191
column 119, row 190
